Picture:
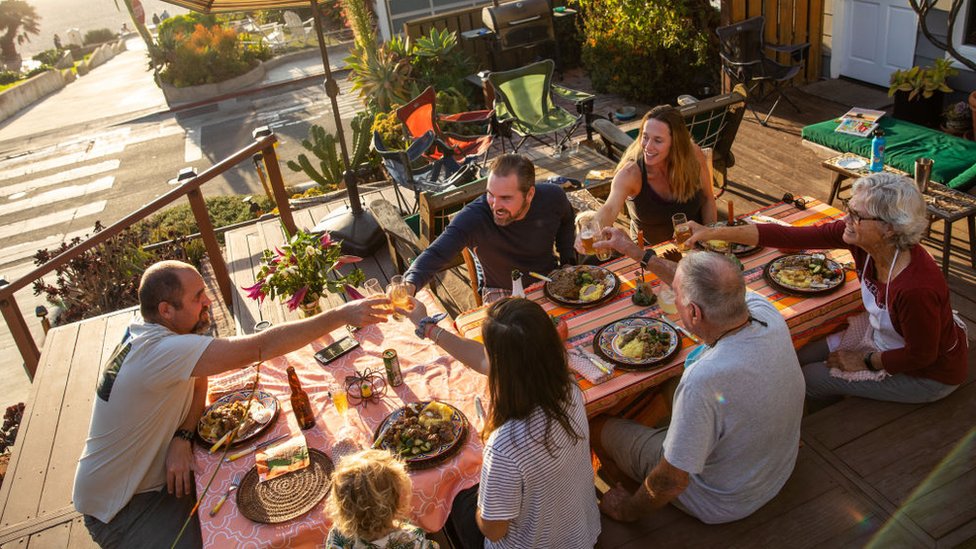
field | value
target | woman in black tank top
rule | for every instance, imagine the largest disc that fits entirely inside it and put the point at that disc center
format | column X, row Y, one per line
column 662, row 173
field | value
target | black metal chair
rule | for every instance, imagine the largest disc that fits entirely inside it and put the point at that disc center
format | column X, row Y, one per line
column 744, row 60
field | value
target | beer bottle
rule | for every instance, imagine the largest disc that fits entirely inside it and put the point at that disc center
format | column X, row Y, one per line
column 299, row 401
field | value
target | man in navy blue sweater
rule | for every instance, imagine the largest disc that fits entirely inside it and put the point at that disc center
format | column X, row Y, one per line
column 515, row 225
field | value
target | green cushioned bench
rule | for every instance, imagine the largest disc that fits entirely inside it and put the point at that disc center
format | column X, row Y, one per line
column 955, row 158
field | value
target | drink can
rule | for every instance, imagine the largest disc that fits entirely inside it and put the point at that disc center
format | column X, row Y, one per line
column 392, row 364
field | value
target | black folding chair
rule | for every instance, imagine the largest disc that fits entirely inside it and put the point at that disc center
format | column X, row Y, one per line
column 744, row 60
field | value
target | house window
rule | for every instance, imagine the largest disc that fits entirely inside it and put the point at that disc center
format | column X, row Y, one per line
column 964, row 33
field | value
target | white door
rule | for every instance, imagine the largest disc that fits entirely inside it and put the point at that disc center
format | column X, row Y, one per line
column 879, row 37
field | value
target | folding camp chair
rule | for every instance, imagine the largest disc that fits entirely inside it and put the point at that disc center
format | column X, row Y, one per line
column 420, row 116
column 524, row 98
column 744, row 60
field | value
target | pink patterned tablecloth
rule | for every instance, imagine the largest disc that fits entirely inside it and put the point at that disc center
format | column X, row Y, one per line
column 428, row 372
column 808, row 317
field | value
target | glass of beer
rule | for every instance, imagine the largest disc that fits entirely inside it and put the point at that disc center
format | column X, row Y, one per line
column 589, row 229
column 682, row 232
column 602, row 254
column 398, row 294
column 372, row 287
column 338, row 394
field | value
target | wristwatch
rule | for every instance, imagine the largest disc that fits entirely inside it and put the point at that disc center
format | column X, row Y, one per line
column 647, row 257
column 184, row 434
column 868, row 363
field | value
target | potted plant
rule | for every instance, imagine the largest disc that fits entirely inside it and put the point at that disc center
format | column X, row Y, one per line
column 302, row 270
column 958, row 119
column 919, row 91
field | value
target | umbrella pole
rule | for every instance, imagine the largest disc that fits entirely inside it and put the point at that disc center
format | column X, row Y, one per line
column 356, row 228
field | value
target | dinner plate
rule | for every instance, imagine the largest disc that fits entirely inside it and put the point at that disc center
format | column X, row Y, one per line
column 776, row 270
column 737, row 249
column 605, row 345
column 606, row 276
column 850, row 163
column 437, row 454
column 266, row 399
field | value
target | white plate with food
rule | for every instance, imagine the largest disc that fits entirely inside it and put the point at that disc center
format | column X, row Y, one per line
column 637, row 343
column 581, row 285
column 804, row 274
column 227, row 412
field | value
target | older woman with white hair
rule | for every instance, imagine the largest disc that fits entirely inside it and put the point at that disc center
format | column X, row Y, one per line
column 908, row 346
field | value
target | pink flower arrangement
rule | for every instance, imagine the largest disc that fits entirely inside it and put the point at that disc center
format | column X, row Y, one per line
column 302, row 270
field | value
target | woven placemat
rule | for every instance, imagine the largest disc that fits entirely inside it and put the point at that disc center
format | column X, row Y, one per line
column 288, row 496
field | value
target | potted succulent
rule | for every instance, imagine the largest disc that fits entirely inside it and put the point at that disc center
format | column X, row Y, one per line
column 919, row 91
column 958, row 119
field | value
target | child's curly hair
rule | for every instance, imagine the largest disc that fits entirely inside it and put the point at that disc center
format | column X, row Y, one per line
column 369, row 494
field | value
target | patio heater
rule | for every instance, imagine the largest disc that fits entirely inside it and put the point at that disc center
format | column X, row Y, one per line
column 360, row 233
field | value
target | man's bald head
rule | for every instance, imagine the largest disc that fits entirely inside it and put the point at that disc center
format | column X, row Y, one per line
column 162, row 282
column 715, row 284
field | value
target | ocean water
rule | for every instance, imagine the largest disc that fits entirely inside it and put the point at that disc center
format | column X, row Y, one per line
column 57, row 16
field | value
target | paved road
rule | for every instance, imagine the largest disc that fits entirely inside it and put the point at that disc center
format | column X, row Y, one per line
column 54, row 184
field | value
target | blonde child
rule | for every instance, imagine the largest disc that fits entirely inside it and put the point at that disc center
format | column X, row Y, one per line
column 368, row 503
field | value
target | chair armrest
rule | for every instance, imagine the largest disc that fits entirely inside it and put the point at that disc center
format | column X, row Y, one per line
column 421, row 145
column 613, row 135
column 482, row 116
column 797, row 52
column 575, row 96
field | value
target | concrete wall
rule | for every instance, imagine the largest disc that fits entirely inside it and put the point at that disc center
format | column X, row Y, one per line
column 37, row 87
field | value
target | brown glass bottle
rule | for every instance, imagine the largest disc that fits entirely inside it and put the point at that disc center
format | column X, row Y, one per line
column 299, row 401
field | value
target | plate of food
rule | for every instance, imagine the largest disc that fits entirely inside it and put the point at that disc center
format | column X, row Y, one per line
column 225, row 414
column 581, row 285
column 637, row 343
column 804, row 274
column 721, row 245
column 422, row 433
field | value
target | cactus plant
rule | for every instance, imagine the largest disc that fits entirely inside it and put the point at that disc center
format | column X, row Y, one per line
column 324, row 146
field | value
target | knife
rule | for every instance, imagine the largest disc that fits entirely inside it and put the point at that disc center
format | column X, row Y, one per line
column 599, row 364
column 479, row 409
column 253, row 448
column 220, row 502
column 687, row 333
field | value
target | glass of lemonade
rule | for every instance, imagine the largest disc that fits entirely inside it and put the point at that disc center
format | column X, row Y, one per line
column 339, row 398
column 665, row 298
column 682, row 232
column 399, row 296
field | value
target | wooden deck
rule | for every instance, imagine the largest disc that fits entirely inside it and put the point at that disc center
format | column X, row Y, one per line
column 868, row 473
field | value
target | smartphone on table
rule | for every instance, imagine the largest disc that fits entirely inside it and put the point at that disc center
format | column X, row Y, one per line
column 336, row 350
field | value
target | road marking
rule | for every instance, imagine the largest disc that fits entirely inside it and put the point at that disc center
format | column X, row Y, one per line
column 51, row 219
column 57, row 195
column 97, row 150
column 194, row 138
column 60, row 177
column 10, row 254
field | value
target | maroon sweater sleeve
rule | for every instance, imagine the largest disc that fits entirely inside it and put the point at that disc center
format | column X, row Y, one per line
column 826, row 236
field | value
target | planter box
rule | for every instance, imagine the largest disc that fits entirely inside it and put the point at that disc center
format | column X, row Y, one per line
column 922, row 111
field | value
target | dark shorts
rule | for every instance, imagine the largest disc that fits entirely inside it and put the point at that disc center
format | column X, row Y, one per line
column 151, row 519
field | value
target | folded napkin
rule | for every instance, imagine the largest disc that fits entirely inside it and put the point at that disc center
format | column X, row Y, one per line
column 860, row 375
column 857, row 338
column 585, row 368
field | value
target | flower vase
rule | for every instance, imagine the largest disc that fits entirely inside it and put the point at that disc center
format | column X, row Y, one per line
column 310, row 308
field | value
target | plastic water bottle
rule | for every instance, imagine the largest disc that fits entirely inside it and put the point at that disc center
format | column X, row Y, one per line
column 877, row 151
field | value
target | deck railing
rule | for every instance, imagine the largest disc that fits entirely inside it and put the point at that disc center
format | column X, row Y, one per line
column 189, row 188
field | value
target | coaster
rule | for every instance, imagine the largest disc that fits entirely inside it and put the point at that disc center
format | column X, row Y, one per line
column 288, row 496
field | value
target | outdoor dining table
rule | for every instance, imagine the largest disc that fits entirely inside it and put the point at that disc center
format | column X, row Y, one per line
column 428, row 373
column 807, row 317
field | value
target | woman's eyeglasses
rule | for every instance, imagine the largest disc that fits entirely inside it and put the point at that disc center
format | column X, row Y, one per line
column 798, row 201
column 856, row 217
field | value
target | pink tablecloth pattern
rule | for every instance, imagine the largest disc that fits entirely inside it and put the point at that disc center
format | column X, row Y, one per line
column 807, row 317
column 428, row 373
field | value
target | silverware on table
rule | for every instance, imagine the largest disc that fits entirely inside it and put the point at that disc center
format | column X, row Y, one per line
column 479, row 409
column 233, row 486
column 687, row 333
column 593, row 360
column 254, row 448
column 540, row 277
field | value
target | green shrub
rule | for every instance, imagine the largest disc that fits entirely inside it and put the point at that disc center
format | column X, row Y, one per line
column 98, row 36
column 207, row 55
column 8, row 77
column 650, row 51
column 49, row 57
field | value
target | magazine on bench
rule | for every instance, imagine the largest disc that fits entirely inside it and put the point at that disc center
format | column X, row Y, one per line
column 860, row 122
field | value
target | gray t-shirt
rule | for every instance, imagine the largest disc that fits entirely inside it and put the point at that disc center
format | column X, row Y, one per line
column 736, row 422
column 143, row 396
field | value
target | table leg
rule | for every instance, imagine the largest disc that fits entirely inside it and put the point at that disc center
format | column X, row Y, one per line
column 835, row 188
column 946, row 244
column 971, row 221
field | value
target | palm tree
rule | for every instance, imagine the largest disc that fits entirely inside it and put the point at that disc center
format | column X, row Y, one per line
column 18, row 20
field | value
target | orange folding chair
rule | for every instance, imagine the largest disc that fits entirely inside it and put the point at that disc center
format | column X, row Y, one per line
column 420, row 116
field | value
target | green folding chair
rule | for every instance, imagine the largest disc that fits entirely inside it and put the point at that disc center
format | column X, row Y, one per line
column 524, row 99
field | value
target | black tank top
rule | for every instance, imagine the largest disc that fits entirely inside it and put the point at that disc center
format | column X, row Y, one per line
column 652, row 214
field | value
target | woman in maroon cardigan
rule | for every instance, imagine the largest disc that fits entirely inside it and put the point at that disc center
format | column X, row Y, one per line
column 909, row 344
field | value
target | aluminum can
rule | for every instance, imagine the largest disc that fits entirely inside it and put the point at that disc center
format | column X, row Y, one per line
column 392, row 364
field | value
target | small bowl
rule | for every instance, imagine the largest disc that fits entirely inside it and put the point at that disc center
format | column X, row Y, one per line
column 625, row 113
